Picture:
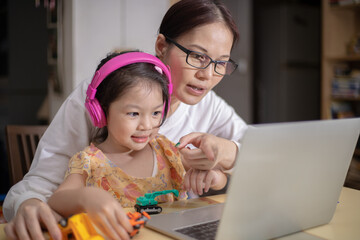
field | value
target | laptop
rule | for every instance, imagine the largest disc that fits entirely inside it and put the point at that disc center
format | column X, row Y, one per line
column 287, row 178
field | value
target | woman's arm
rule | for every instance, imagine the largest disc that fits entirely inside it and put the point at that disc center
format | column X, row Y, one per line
column 210, row 151
column 219, row 144
column 32, row 215
column 200, row 181
column 69, row 131
column 25, row 206
column 212, row 126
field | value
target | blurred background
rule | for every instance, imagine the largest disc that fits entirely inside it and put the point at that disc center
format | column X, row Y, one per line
column 298, row 59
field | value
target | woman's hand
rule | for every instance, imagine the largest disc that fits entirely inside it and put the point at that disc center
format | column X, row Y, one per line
column 210, row 151
column 200, row 181
column 31, row 215
column 106, row 213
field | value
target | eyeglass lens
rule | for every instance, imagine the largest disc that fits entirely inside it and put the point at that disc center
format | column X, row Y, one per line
column 200, row 60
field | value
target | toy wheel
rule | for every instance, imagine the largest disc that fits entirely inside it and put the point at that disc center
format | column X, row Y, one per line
column 137, row 208
column 63, row 222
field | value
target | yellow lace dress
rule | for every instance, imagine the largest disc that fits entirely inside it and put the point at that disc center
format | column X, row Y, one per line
column 103, row 173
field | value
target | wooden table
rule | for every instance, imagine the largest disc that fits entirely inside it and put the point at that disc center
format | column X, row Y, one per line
column 344, row 225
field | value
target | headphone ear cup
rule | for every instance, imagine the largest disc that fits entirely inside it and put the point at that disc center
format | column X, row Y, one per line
column 96, row 113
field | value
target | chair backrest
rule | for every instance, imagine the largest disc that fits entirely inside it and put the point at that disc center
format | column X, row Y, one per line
column 21, row 141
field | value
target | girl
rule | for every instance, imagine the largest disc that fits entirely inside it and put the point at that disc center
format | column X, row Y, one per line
column 128, row 100
column 202, row 28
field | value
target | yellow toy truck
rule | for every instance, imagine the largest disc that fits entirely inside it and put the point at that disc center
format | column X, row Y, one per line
column 79, row 226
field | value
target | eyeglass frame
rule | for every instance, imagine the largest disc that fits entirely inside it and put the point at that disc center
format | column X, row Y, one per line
column 188, row 52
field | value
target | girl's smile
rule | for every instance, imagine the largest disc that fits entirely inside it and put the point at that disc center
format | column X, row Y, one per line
column 140, row 139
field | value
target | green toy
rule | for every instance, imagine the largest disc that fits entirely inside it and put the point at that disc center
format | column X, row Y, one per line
column 148, row 203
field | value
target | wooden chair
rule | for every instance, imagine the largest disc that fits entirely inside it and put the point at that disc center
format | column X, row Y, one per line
column 21, row 141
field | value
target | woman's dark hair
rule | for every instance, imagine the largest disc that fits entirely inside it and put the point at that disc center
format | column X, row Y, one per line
column 119, row 81
column 185, row 15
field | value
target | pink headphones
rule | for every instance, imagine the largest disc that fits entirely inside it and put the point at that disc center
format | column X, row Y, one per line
column 97, row 115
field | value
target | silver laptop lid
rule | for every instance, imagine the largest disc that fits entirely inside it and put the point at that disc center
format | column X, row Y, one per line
column 287, row 178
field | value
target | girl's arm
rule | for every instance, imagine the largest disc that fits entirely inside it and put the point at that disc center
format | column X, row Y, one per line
column 102, row 208
column 72, row 188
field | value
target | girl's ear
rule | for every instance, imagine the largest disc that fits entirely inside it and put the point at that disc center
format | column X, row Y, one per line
column 161, row 46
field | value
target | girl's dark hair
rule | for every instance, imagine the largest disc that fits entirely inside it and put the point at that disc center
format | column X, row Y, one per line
column 120, row 80
column 185, row 15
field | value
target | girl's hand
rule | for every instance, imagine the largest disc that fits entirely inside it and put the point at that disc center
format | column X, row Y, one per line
column 106, row 213
column 200, row 181
column 210, row 151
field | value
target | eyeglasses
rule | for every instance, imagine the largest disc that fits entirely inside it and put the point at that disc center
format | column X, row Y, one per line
column 202, row 61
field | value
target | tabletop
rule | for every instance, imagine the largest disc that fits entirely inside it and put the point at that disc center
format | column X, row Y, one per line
column 344, row 225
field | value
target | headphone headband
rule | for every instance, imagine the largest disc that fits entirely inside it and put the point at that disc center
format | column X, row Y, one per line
column 121, row 61
column 92, row 105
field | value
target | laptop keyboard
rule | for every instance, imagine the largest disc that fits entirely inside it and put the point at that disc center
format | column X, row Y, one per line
column 201, row 231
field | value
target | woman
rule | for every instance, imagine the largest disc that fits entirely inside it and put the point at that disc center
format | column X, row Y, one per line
column 195, row 39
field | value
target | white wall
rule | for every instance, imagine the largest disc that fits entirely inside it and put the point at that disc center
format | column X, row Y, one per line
column 93, row 28
column 141, row 23
column 96, row 30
